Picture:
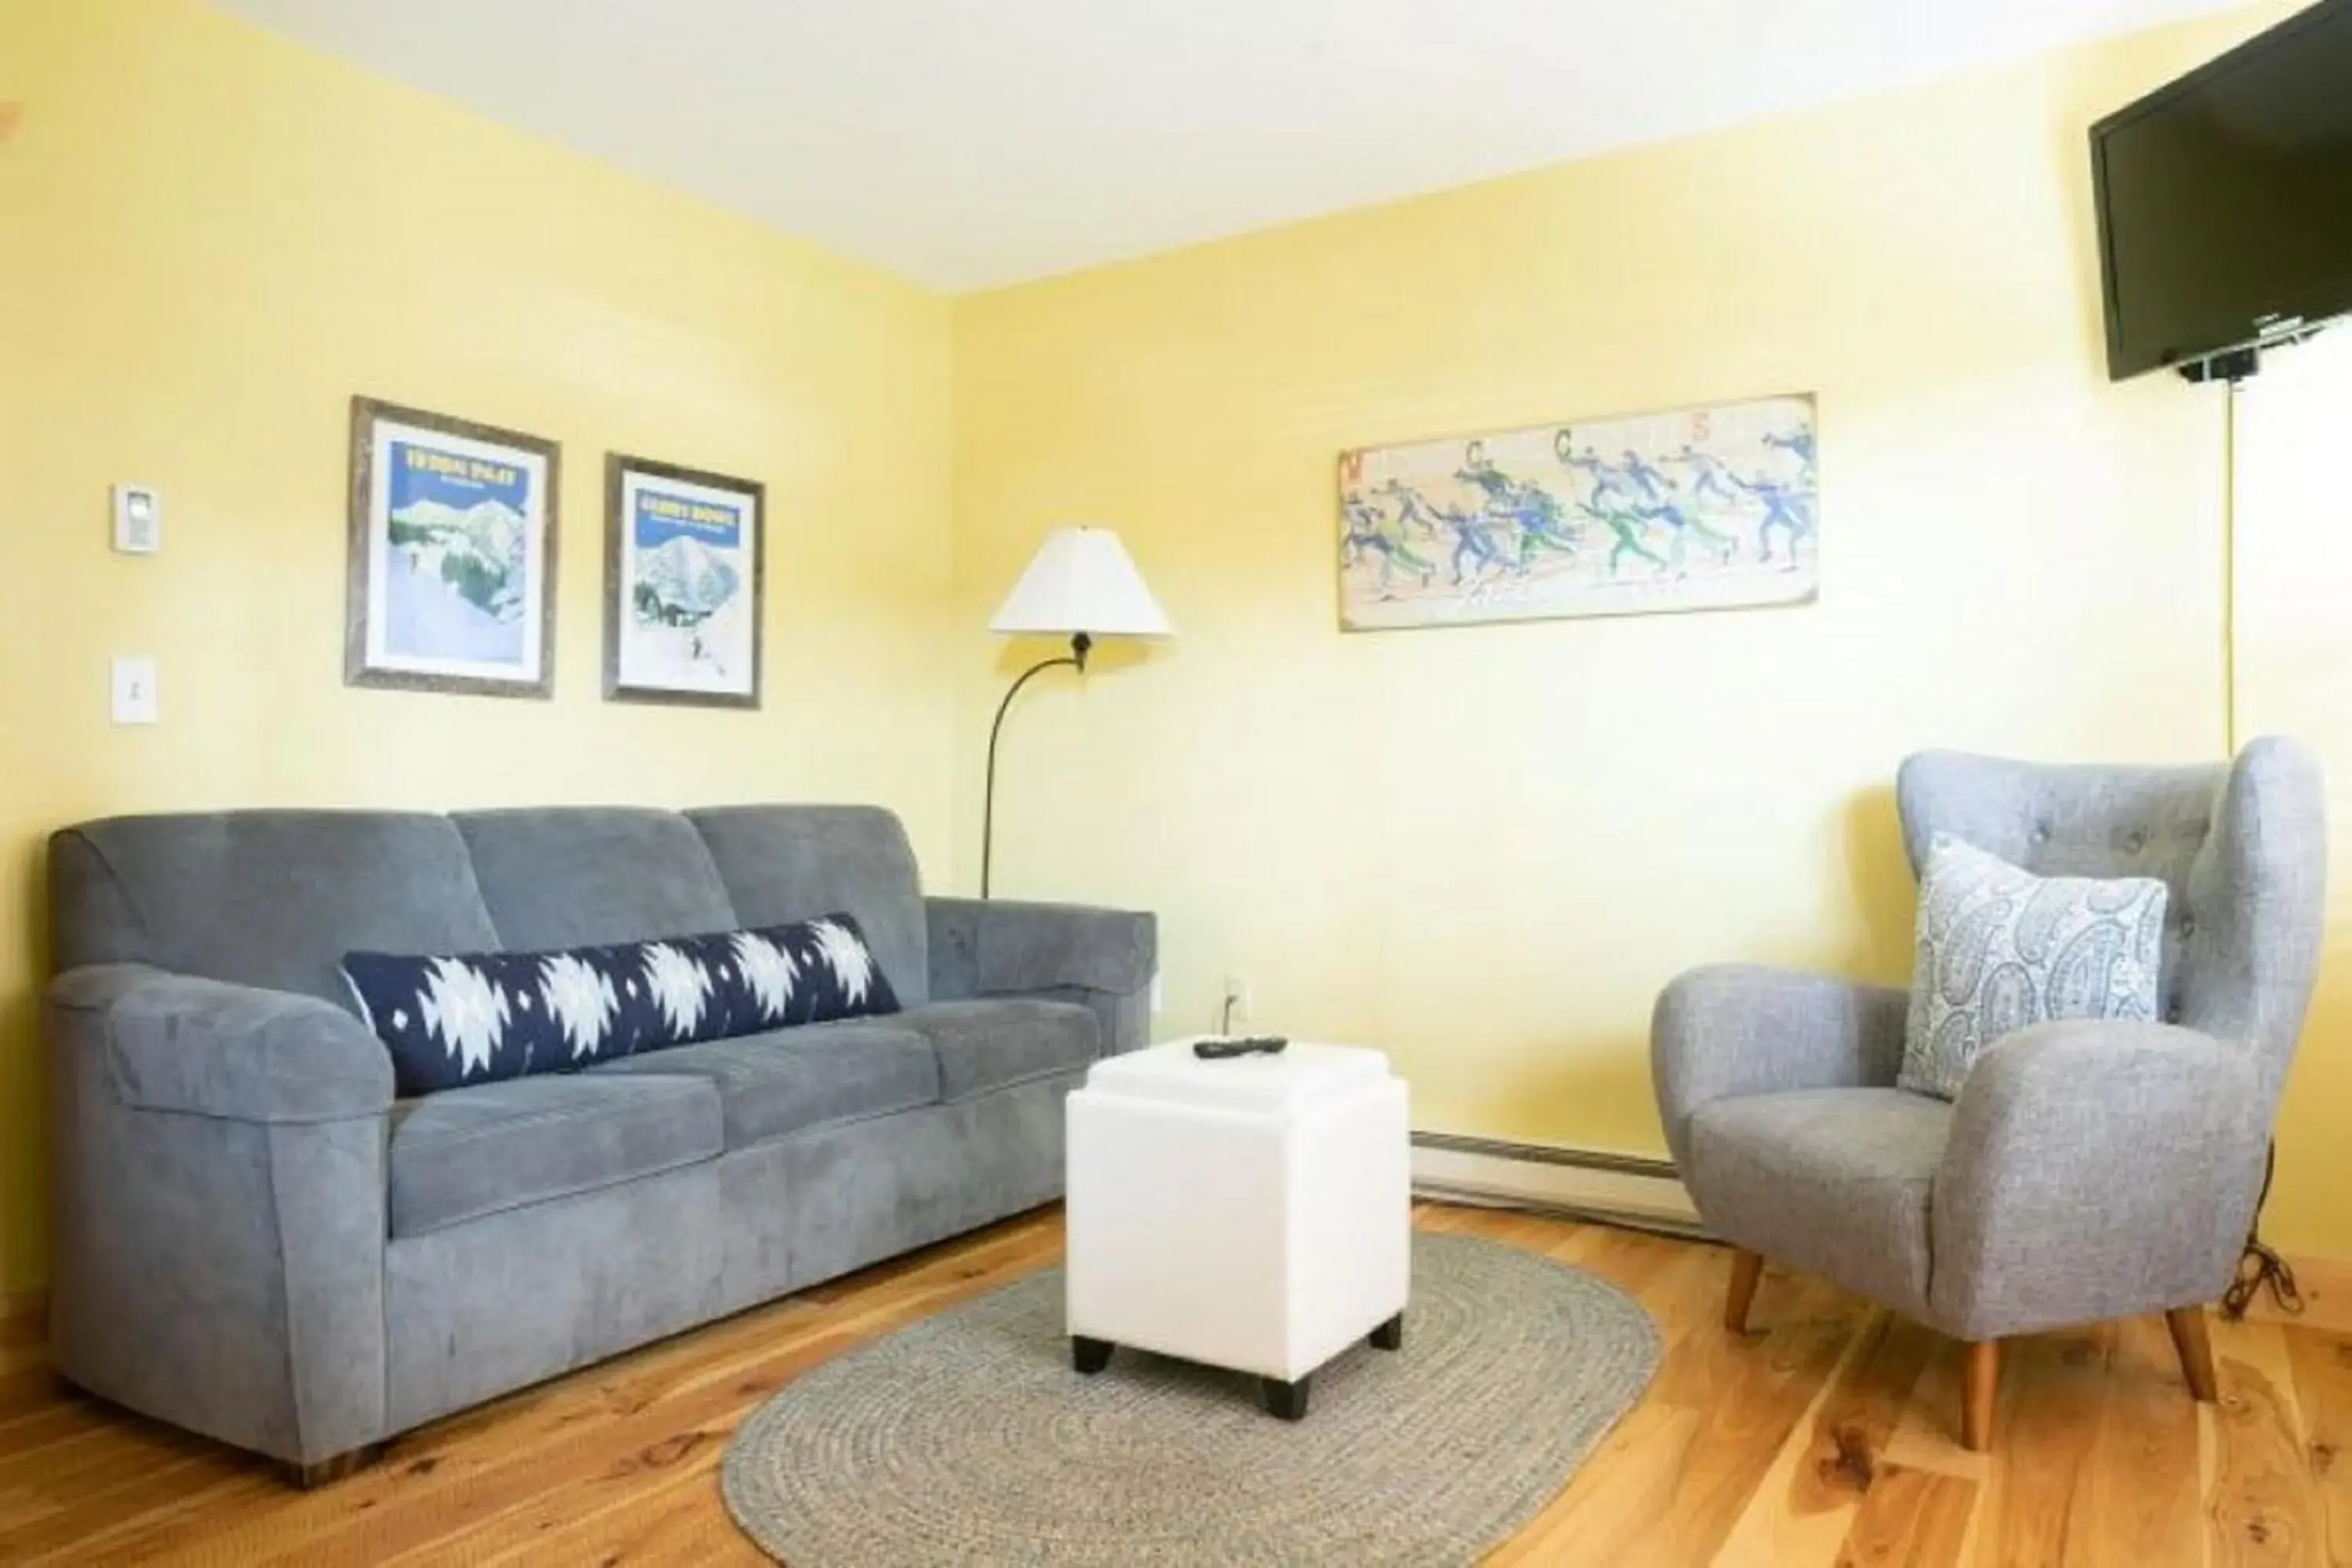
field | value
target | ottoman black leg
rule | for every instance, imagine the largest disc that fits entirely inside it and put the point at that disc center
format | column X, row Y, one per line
column 1390, row 1336
column 1089, row 1357
column 1287, row 1400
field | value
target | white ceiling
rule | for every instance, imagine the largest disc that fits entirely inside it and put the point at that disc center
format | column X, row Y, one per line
column 968, row 142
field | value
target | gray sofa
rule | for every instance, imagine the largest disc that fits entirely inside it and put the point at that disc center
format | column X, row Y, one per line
column 254, row 1241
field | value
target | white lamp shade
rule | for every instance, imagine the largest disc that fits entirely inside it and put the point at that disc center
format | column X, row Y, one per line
column 1082, row 581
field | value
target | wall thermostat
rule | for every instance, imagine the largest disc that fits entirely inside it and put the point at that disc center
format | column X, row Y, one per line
column 138, row 519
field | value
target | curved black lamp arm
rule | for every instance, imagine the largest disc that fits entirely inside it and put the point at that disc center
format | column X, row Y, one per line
column 1076, row 659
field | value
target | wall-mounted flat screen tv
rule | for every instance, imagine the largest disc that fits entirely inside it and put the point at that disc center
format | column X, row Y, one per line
column 2225, row 199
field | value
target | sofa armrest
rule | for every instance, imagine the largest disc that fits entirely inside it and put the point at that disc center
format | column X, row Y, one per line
column 175, row 1042
column 1105, row 959
column 1003, row 947
column 1734, row 1029
column 2094, row 1169
column 218, row 1181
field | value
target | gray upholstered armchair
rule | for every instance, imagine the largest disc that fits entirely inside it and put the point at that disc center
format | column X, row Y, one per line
column 2088, row 1170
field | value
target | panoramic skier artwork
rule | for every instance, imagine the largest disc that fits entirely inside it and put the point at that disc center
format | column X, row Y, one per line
column 683, row 564
column 1699, row 510
column 452, row 526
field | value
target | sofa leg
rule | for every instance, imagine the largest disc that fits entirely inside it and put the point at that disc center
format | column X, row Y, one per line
column 2188, row 1326
column 1746, row 1267
column 1976, row 1387
column 1089, row 1357
column 309, row 1477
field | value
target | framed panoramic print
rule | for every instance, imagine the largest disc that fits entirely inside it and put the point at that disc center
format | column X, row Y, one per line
column 1698, row 510
column 684, row 552
column 452, row 555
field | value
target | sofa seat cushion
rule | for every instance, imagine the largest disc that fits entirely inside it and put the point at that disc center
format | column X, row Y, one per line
column 786, row 1081
column 465, row 1152
column 997, row 1042
column 1834, row 1182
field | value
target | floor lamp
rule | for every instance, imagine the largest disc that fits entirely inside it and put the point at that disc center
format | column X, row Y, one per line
column 1080, row 584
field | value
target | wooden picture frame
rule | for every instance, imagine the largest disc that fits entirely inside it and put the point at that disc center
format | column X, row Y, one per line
column 452, row 552
column 684, row 584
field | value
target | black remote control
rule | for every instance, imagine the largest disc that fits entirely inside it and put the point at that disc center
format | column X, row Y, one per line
column 1219, row 1050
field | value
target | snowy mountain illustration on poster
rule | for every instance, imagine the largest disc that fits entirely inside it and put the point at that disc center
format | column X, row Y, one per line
column 451, row 529
column 682, row 615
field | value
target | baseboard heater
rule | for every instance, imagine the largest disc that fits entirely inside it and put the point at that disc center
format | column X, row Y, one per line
column 1577, row 1184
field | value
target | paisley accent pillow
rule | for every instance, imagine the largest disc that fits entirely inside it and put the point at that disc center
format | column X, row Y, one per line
column 2000, row 948
column 477, row 1017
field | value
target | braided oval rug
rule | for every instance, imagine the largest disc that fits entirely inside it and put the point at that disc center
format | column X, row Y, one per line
column 967, row 1439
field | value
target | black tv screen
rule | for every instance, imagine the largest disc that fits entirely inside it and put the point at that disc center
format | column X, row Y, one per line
column 2225, row 199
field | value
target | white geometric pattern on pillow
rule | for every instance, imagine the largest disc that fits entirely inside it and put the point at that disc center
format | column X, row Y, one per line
column 459, row 1018
column 2001, row 949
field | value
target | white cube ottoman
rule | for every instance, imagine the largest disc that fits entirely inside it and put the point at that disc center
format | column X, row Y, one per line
column 1253, row 1213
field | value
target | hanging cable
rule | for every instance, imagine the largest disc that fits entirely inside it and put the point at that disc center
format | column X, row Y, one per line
column 2259, row 1264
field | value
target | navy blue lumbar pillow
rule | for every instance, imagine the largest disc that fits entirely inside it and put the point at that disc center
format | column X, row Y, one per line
column 477, row 1017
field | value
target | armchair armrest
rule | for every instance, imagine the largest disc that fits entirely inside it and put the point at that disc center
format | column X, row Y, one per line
column 2094, row 1169
column 175, row 1042
column 1731, row 1030
column 999, row 947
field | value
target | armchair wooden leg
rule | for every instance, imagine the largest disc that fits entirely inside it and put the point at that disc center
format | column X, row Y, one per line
column 2188, row 1326
column 1745, row 1267
column 1977, row 1386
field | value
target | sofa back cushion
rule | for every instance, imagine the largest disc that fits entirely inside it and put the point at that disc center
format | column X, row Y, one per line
column 796, row 862
column 577, row 876
column 272, row 899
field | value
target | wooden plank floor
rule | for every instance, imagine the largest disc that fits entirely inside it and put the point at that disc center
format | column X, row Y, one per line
column 1824, row 1437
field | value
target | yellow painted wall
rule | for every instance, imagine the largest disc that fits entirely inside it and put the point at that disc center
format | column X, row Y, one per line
column 2293, row 646
column 209, row 240
column 1485, row 850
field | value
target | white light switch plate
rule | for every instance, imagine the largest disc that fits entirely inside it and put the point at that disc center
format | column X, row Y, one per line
column 134, row 699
